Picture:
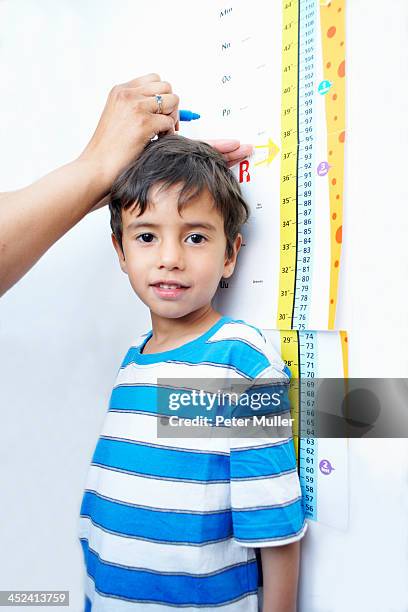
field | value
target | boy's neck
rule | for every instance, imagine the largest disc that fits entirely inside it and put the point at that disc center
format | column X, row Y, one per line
column 169, row 333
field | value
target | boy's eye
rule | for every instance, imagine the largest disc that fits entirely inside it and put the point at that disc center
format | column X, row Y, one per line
column 142, row 235
column 199, row 236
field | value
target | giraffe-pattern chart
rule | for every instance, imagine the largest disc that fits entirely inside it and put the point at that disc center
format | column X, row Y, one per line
column 332, row 20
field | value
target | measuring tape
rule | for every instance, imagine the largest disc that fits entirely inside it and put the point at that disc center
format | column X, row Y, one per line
column 299, row 349
column 299, row 30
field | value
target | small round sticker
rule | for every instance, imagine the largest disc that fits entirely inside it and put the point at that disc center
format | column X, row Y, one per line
column 324, row 87
column 323, row 168
column 326, row 467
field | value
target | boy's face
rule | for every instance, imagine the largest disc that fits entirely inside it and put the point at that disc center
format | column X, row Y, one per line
column 176, row 248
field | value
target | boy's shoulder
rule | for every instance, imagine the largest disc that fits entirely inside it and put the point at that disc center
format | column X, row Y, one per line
column 241, row 332
column 234, row 344
column 250, row 347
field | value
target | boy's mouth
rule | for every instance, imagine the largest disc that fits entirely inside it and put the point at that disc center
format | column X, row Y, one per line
column 169, row 285
column 170, row 289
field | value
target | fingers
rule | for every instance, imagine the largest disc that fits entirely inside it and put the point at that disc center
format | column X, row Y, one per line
column 143, row 80
column 140, row 93
column 169, row 104
column 148, row 85
column 162, row 124
column 224, row 145
column 238, row 155
column 232, row 150
column 156, row 87
column 148, row 103
column 170, row 101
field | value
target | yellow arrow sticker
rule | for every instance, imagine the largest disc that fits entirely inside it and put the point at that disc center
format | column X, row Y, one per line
column 273, row 150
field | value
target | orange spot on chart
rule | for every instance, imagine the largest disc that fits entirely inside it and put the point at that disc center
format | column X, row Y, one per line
column 339, row 234
column 331, row 32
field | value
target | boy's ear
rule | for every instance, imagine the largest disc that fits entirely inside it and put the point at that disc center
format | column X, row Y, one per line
column 121, row 257
column 229, row 264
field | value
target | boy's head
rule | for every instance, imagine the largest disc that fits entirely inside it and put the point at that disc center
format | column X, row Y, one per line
column 177, row 190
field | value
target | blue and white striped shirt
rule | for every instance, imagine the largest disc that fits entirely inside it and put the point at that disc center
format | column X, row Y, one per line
column 169, row 523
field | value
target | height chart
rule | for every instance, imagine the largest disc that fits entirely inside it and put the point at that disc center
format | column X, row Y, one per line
column 278, row 82
column 275, row 77
column 312, row 139
column 322, row 462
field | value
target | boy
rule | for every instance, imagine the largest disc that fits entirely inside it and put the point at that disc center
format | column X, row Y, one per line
column 169, row 523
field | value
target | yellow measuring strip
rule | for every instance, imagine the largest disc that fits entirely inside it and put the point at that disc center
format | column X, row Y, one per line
column 289, row 153
column 290, row 354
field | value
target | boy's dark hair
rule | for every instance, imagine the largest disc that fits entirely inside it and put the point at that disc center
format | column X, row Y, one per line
column 175, row 159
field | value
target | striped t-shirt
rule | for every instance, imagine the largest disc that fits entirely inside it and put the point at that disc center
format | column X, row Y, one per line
column 173, row 522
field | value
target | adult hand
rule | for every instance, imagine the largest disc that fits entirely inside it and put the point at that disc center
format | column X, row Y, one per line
column 129, row 121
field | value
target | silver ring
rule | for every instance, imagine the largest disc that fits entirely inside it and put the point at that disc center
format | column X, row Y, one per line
column 159, row 101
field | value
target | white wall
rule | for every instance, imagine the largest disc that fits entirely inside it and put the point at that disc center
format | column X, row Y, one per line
column 65, row 327
column 366, row 568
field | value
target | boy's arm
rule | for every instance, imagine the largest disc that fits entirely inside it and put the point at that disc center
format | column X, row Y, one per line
column 266, row 496
column 280, row 570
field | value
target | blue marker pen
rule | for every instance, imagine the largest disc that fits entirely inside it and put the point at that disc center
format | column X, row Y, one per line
column 186, row 115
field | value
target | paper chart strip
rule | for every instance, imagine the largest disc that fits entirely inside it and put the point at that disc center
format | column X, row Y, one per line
column 322, row 463
column 274, row 76
column 312, row 150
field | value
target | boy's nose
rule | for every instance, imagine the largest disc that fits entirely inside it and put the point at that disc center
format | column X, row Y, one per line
column 171, row 254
